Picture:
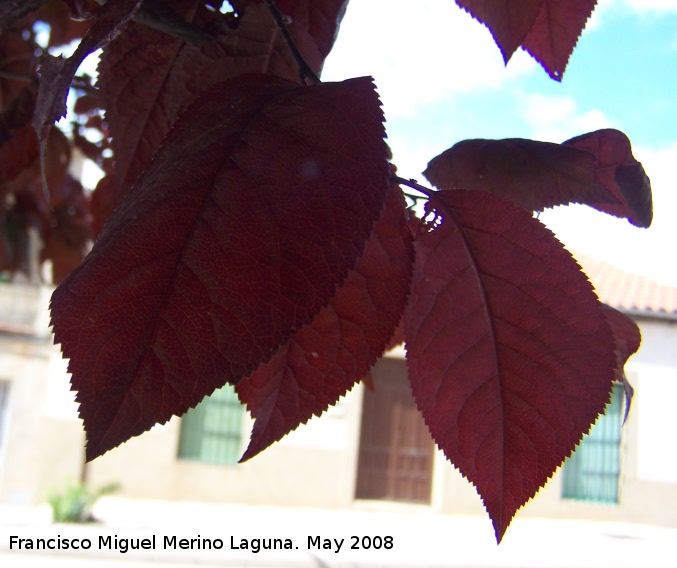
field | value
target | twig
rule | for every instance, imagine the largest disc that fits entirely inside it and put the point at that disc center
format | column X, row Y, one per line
column 281, row 21
column 84, row 84
column 412, row 183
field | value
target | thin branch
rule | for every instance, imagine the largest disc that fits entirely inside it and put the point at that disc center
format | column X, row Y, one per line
column 412, row 183
column 281, row 21
column 84, row 84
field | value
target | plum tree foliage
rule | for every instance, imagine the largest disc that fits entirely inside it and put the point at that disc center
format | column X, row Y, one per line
column 251, row 229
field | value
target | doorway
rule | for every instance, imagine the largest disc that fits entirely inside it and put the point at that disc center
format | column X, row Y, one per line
column 396, row 451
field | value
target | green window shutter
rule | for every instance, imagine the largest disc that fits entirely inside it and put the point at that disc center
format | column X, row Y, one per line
column 212, row 431
column 592, row 472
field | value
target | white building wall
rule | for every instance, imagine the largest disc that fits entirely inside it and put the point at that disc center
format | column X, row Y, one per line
column 655, row 369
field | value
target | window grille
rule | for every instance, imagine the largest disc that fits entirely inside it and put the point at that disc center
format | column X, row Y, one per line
column 212, row 431
column 592, row 472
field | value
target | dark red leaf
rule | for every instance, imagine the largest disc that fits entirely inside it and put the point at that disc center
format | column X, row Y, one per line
column 621, row 173
column 256, row 207
column 11, row 11
column 103, row 203
column 627, row 338
column 18, row 152
column 547, row 29
column 16, row 60
column 325, row 358
column 321, row 19
column 86, row 104
column 510, row 356
column 68, row 234
column 29, row 179
column 147, row 78
column 89, row 149
column 161, row 16
column 509, row 21
column 67, row 20
column 534, row 175
column 555, row 33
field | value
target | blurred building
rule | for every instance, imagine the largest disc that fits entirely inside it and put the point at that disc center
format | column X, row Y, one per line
column 368, row 451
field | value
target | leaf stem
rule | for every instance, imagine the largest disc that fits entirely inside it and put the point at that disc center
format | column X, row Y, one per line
column 305, row 72
column 412, row 183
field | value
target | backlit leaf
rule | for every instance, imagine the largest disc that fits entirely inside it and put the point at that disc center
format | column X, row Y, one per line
column 547, row 29
column 621, row 173
column 510, row 356
column 321, row 18
column 534, row 175
column 324, row 359
column 255, row 209
column 555, row 33
column 509, row 21
column 627, row 338
column 147, row 77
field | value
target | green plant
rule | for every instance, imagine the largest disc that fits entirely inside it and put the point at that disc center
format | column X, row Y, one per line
column 74, row 505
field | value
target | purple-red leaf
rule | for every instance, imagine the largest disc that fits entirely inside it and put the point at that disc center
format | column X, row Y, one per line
column 147, row 78
column 16, row 61
column 534, row 175
column 509, row 21
column 547, row 29
column 555, row 33
column 325, row 358
column 321, row 19
column 597, row 169
column 255, row 209
column 627, row 338
column 17, row 153
column 621, row 174
column 510, row 356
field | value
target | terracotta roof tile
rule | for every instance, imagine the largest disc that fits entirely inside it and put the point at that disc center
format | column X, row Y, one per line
column 626, row 291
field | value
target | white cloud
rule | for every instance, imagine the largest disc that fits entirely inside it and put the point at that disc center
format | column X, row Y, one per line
column 419, row 53
column 641, row 8
column 555, row 119
column 651, row 6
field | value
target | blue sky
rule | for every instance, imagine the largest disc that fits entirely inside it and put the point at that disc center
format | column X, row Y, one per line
column 442, row 79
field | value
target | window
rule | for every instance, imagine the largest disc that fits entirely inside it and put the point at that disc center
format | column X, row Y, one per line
column 212, row 431
column 591, row 473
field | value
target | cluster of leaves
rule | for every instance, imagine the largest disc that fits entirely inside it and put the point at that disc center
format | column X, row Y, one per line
column 251, row 230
